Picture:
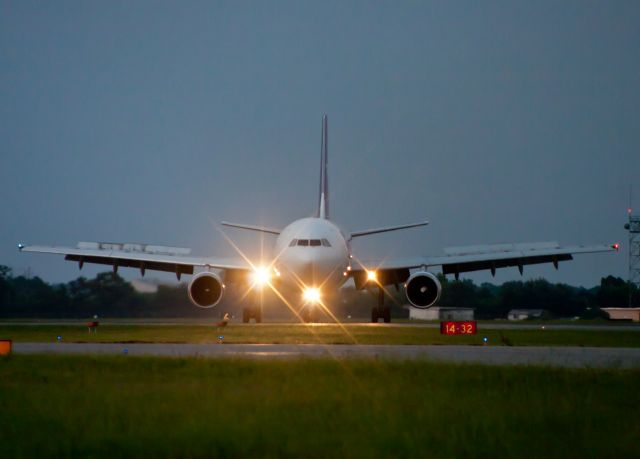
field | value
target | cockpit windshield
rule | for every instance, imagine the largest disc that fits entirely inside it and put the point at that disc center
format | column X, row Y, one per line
column 310, row 243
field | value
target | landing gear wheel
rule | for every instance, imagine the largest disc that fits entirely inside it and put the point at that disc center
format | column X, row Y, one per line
column 386, row 314
column 381, row 311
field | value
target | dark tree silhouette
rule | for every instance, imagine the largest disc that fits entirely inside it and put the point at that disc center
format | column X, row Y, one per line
column 110, row 295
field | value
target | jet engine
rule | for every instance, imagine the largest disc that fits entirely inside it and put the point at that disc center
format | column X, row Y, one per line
column 423, row 289
column 205, row 290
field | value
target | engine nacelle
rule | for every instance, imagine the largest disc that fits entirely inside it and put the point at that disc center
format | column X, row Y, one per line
column 423, row 289
column 205, row 290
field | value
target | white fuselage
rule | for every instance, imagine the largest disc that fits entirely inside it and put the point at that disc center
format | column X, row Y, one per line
column 312, row 253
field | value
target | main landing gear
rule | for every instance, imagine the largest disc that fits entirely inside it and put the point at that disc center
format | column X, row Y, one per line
column 381, row 311
column 254, row 312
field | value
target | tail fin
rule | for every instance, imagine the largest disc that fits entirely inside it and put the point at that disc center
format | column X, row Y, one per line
column 323, row 197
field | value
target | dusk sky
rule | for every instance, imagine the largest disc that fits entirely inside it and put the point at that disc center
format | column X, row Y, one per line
column 152, row 121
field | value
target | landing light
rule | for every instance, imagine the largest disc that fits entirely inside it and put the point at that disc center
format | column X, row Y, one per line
column 312, row 295
column 261, row 276
column 372, row 276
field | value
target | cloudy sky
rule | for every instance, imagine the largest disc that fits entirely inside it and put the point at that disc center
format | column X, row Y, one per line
column 150, row 121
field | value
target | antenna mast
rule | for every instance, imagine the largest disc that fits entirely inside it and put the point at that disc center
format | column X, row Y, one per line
column 633, row 226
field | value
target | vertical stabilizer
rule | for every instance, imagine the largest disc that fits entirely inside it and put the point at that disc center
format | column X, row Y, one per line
column 323, row 197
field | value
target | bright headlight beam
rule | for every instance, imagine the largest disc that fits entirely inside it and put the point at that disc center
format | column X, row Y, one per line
column 372, row 276
column 312, row 295
column 261, row 276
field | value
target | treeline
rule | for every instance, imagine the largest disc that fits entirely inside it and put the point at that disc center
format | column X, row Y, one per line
column 109, row 295
column 558, row 300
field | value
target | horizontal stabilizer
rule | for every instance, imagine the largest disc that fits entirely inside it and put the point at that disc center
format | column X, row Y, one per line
column 387, row 229
column 262, row 229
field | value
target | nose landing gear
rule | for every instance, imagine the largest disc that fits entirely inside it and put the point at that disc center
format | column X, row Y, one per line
column 309, row 314
column 254, row 312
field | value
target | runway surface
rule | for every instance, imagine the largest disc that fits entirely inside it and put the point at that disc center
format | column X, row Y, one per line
column 485, row 325
column 576, row 357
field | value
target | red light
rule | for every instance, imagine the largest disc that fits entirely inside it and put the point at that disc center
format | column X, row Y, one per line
column 458, row 327
column 616, row 246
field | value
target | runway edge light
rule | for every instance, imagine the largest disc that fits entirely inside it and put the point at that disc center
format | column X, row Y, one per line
column 5, row 346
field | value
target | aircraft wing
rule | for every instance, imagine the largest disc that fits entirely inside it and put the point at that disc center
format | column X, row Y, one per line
column 458, row 260
column 141, row 256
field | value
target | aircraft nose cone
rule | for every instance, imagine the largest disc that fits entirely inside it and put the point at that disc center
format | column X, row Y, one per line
column 309, row 271
column 306, row 271
column 310, row 266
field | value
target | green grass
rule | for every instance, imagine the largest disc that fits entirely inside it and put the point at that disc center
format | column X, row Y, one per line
column 70, row 406
column 327, row 334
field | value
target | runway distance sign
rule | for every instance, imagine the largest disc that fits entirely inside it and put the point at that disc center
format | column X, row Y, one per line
column 458, row 327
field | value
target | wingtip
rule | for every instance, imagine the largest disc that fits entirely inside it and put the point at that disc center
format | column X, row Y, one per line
column 20, row 246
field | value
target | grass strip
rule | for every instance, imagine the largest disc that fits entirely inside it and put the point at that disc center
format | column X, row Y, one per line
column 85, row 406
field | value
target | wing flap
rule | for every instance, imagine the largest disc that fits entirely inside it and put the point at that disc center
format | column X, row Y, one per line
column 134, row 247
column 142, row 265
column 457, row 268
column 475, row 258
column 178, row 264
column 498, row 248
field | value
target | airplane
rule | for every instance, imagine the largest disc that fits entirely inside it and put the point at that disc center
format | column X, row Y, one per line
column 312, row 258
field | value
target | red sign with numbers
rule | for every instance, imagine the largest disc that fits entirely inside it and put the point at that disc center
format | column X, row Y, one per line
column 458, row 327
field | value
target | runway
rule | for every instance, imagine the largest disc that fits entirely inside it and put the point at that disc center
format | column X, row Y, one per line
column 574, row 357
column 484, row 325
